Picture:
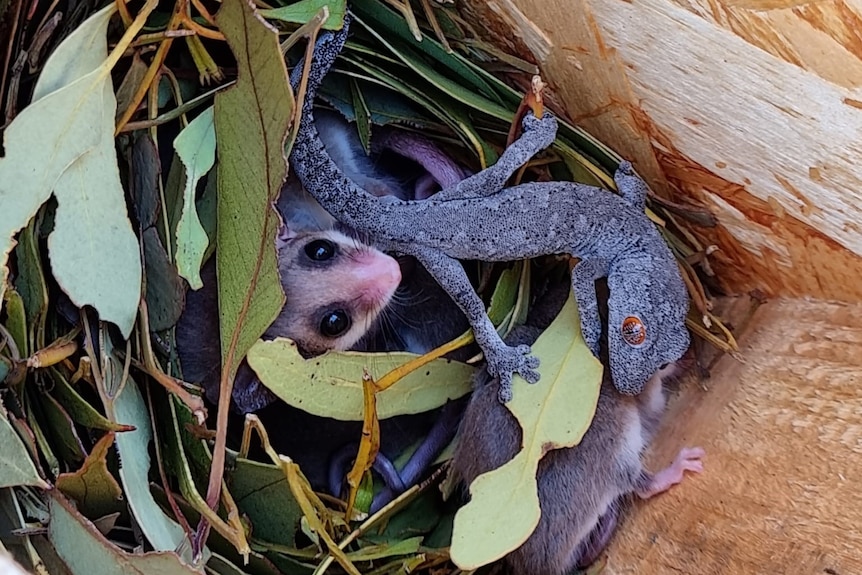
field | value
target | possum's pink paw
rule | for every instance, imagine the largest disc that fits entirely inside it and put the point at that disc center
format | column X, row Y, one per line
column 689, row 459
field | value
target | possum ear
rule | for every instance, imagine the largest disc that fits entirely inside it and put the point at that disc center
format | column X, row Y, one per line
column 300, row 212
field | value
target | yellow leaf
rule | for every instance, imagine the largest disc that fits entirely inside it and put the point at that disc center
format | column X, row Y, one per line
column 556, row 412
column 330, row 385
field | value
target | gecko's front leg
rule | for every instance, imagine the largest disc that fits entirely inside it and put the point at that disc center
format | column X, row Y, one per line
column 584, row 278
column 502, row 359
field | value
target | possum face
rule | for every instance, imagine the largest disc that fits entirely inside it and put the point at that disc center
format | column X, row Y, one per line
column 335, row 286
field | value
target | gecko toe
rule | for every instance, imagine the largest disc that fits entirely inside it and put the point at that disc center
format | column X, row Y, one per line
column 530, row 374
column 505, row 393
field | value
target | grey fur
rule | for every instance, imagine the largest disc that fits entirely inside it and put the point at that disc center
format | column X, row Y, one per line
column 579, row 488
column 480, row 219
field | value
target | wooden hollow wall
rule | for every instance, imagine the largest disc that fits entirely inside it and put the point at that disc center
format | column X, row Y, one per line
column 749, row 108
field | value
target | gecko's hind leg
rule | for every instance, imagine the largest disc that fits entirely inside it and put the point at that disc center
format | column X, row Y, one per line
column 502, row 360
column 584, row 278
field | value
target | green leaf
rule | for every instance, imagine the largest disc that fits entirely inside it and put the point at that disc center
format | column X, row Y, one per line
column 133, row 447
column 30, row 282
column 504, row 507
column 467, row 75
column 165, row 290
column 446, row 85
column 384, row 105
column 195, row 146
column 64, row 143
column 304, row 10
column 87, row 552
column 261, row 492
column 251, row 123
column 330, row 385
column 363, row 116
column 144, row 176
column 79, row 409
column 16, row 467
column 34, row 426
column 16, row 320
column 439, row 105
column 66, row 442
column 92, row 486
column 384, row 550
column 504, row 296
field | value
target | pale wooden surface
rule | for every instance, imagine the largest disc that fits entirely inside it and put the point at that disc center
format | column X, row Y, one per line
column 750, row 108
column 781, row 489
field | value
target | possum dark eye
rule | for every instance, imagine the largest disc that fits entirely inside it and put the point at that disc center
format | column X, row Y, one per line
column 633, row 331
column 320, row 250
column 335, row 323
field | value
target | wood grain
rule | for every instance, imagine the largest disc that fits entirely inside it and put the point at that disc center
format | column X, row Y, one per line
column 750, row 108
column 783, row 435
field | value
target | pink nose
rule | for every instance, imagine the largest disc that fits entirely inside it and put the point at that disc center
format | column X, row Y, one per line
column 376, row 277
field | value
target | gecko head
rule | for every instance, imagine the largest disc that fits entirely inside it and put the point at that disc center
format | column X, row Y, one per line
column 647, row 306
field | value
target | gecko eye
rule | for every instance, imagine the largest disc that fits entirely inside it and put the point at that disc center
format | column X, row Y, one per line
column 633, row 331
column 335, row 323
column 320, row 250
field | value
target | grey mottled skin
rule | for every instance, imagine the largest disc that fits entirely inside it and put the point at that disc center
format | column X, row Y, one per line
column 581, row 488
column 480, row 219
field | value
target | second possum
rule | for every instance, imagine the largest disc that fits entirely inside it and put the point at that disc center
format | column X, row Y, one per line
column 580, row 488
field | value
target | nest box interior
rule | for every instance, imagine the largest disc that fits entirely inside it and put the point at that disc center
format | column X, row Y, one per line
column 751, row 109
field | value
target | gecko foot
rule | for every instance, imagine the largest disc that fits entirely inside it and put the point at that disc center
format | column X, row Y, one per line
column 506, row 360
column 543, row 129
column 688, row 459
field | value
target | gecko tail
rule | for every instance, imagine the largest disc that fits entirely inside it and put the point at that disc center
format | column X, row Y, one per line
column 326, row 50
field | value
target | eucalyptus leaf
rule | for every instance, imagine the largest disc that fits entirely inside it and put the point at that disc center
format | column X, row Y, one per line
column 466, row 74
column 34, row 421
column 165, row 290
column 92, row 486
column 16, row 320
column 251, row 123
column 66, row 442
column 504, row 296
column 145, row 171
column 133, row 447
column 330, row 385
column 384, row 550
column 16, row 467
column 262, row 493
column 444, row 84
column 504, row 507
column 30, row 282
column 87, row 552
column 79, row 409
column 304, row 10
column 195, row 146
column 63, row 143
